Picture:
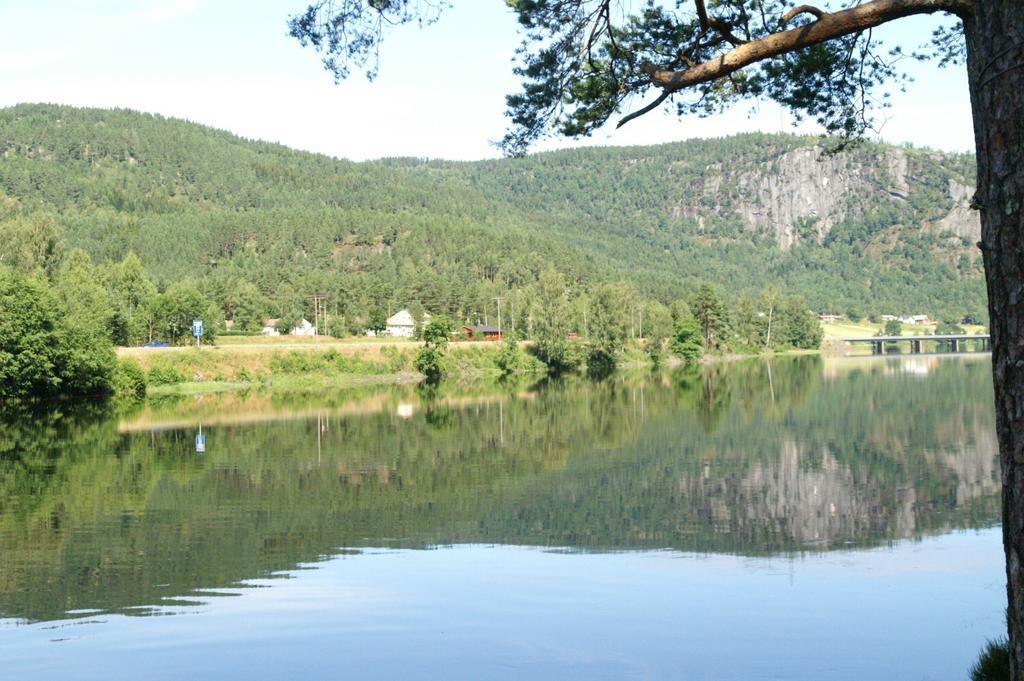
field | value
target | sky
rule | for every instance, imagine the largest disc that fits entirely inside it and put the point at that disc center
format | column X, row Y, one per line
column 440, row 94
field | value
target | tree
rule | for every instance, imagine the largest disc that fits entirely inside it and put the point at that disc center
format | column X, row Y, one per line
column 798, row 326
column 430, row 359
column 687, row 341
column 418, row 315
column 132, row 294
column 680, row 309
column 711, row 315
column 769, row 304
column 78, row 283
column 657, row 327
column 377, row 321
column 44, row 352
column 246, row 306
column 584, row 61
column 28, row 242
column 175, row 309
column 608, row 324
column 550, row 313
column 893, row 327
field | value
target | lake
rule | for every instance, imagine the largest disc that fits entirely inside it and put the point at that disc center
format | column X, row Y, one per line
column 795, row 519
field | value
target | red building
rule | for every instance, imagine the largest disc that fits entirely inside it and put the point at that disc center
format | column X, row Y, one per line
column 482, row 332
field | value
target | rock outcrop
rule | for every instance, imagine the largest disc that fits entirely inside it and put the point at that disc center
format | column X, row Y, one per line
column 806, row 192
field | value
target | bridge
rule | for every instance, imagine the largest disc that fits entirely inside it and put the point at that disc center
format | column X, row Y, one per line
column 955, row 342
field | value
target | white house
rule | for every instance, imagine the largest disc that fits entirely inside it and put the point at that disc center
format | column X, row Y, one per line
column 270, row 327
column 401, row 325
column 303, row 329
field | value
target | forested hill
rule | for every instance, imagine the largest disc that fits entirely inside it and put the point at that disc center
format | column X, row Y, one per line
column 877, row 228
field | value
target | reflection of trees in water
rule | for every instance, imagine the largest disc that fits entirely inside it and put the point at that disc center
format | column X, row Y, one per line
column 750, row 458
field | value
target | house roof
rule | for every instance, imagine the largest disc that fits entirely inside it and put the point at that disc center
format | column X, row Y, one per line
column 404, row 318
column 481, row 328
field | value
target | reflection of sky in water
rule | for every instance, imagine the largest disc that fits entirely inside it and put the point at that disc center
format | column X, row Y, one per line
column 919, row 610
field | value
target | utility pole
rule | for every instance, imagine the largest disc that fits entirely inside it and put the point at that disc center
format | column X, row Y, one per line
column 319, row 315
column 498, row 298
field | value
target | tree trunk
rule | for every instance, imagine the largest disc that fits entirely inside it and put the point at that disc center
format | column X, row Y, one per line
column 995, row 59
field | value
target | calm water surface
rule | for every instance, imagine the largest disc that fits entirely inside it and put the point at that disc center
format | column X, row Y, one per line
column 797, row 519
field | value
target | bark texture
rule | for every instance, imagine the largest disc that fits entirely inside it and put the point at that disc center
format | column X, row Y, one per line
column 995, row 50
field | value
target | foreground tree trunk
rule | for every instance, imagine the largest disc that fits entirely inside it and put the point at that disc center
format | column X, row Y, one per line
column 995, row 55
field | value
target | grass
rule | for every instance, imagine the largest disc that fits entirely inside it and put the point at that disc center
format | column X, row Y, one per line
column 847, row 329
column 282, row 383
column 287, row 363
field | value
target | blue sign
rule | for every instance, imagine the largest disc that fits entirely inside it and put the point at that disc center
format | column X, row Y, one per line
column 197, row 327
column 200, row 442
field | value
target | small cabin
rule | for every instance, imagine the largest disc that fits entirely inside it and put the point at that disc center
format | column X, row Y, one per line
column 482, row 332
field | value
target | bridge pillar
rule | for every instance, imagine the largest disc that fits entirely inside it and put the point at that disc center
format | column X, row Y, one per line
column 915, row 347
column 876, row 348
column 954, row 345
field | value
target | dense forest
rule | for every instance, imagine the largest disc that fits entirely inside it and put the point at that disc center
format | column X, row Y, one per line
column 259, row 229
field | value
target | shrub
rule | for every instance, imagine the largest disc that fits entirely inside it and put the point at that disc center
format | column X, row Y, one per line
column 893, row 327
column 397, row 360
column 509, row 358
column 600, row 363
column 298, row 362
column 430, row 362
column 165, row 376
column 129, row 379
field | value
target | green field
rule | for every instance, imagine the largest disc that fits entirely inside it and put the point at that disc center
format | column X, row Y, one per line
column 848, row 329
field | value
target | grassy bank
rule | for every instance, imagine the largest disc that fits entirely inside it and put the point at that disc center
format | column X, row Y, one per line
column 300, row 364
column 863, row 329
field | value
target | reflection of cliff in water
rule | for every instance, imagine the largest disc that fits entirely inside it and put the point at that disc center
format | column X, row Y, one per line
column 752, row 458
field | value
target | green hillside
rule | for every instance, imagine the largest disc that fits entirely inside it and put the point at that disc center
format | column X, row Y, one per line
column 880, row 229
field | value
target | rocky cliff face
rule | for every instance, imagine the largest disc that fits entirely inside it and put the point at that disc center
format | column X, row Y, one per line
column 961, row 220
column 806, row 192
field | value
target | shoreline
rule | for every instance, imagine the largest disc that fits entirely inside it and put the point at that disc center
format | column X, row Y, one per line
column 335, row 364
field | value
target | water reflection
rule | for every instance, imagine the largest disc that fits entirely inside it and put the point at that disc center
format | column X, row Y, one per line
column 115, row 511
